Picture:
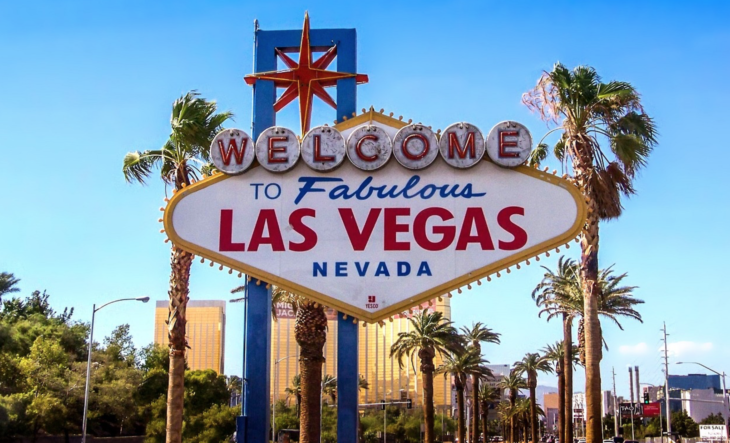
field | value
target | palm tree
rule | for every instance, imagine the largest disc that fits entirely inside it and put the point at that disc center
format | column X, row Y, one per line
column 362, row 383
column 329, row 387
column 513, row 382
column 589, row 112
column 461, row 366
column 310, row 331
column 430, row 335
column 295, row 390
column 181, row 160
column 557, row 295
column 7, row 284
column 522, row 412
column 561, row 294
column 555, row 354
column 487, row 396
column 531, row 364
column 475, row 335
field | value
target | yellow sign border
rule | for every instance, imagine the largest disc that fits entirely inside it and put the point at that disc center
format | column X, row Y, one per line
column 404, row 305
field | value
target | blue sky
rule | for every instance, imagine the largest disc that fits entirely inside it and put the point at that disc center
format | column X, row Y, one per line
column 86, row 82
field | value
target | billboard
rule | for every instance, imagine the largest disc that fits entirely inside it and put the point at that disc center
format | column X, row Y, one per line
column 629, row 409
column 713, row 432
column 374, row 244
column 652, row 409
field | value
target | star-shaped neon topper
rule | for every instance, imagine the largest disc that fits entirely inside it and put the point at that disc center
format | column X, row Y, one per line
column 305, row 79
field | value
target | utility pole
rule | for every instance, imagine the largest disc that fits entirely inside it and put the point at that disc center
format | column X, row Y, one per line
column 631, row 389
column 615, row 405
column 666, row 382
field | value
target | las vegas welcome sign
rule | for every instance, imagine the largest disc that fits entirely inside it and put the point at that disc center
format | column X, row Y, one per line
column 334, row 218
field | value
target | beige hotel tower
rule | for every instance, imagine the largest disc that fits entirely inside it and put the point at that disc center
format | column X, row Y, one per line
column 205, row 331
column 387, row 380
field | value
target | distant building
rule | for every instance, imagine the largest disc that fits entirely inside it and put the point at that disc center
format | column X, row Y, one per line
column 386, row 378
column 699, row 403
column 695, row 381
column 550, row 406
column 579, row 404
column 205, row 331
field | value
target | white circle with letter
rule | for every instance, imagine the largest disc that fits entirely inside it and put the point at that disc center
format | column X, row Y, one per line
column 462, row 145
column 277, row 149
column 369, row 147
column 415, row 146
column 509, row 144
column 323, row 148
column 232, row 151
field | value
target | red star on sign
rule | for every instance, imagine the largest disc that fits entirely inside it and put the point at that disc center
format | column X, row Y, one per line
column 305, row 79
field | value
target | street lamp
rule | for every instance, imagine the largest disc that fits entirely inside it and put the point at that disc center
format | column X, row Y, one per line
column 88, row 363
column 724, row 390
column 276, row 392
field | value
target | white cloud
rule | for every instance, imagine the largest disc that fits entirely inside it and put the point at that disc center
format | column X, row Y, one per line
column 685, row 348
column 637, row 349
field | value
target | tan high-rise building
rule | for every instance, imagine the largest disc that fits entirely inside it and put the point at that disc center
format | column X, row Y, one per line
column 384, row 375
column 205, row 331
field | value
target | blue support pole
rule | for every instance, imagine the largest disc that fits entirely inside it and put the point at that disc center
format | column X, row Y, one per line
column 256, row 421
column 347, row 380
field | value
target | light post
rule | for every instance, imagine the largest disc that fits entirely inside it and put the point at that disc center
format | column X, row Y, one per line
column 88, row 363
column 276, row 393
column 724, row 390
column 244, row 381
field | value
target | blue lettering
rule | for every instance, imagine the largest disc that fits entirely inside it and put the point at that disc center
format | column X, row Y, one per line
column 318, row 268
column 404, row 268
column 362, row 270
column 341, row 269
column 309, row 183
column 382, row 270
column 424, row 269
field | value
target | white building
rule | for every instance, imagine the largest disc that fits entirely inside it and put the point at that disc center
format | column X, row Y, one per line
column 579, row 404
column 699, row 403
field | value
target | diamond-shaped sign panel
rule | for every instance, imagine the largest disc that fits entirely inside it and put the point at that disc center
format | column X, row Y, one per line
column 375, row 243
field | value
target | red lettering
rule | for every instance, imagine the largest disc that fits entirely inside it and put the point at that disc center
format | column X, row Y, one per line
column 519, row 234
column 318, row 157
column 358, row 148
column 310, row 237
column 267, row 220
column 454, row 145
column 420, row 155
column 447, row 232
column 391, row 228
column 474, row 217
column 273, row 149
column 359, row 238
column 507, row 144
column 225, row 242
column 232, row 149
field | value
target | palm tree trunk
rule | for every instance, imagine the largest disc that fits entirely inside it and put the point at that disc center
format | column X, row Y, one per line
column 582, row 166
column 513, row 425
column 180, row 262
column 475, row 409
column 485, row 421
column 426, row 356
column 310, row 331
column 561, row 402
column 460, row 413
column 568, row 375
column 533, row 412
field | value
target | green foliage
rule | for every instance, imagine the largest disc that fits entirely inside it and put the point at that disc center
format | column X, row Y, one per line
column 42, row 378
column 402, row 424
column 713, row 419
column 683, row 424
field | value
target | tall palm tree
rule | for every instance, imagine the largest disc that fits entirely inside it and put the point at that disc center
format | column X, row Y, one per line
column 531, row 364
column 295, row 390
column 590, row 112
column 522, row 412
column 555, row 354
column 487, row 396
column 310, row 331
column 430, row 335
column 462, row 366
column 180, row 161
column 7, row 284
column 475, row 335
column 557, row 294
column 512, row 383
